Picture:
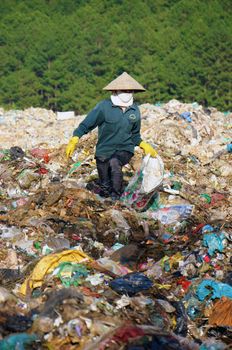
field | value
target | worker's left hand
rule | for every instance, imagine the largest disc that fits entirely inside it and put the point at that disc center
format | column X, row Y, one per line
column 148, row 149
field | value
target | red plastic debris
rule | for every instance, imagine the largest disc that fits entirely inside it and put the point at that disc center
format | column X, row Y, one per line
column 207, row 258
column 40, row 153
column 46, row 158
column 125, row 333
column 88, row 292
column 76, row 237
column 42, row 171
column 184, row 283
column 197, row 229
column 216, row 198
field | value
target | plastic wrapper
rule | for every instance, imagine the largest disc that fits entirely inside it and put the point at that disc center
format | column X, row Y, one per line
column 171, row 214
column 112, row 266
column 119, row 220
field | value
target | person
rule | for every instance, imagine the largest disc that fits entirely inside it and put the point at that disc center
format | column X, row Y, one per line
column 118, row 120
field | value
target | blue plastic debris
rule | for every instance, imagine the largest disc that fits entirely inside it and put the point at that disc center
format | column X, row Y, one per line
column 117, row 246
column 213, row 346
column 193, row 307
column 214, row 241
column 217, row 289
column 131, row 283
column 166, row 237
column 229, row 147
column 186, row 116
column 207, row 229
column 17, row 341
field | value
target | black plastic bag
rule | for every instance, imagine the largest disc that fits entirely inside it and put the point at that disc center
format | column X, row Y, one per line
column 131, row 283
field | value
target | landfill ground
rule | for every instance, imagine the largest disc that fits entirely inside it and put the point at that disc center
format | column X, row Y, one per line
column 79, row 271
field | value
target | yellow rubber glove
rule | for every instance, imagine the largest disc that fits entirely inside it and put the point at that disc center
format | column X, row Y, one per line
column 148, row 149
column 71, row 146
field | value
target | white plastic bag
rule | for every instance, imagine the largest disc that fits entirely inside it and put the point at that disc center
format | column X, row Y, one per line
column 146, row 180
column 153, row 173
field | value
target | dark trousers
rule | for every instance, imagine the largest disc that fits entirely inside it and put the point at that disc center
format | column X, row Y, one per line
column 110, row 171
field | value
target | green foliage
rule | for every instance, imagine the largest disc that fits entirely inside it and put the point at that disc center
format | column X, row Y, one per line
column 59, row 54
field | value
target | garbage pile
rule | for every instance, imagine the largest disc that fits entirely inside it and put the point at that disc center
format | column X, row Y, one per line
column 78, row 271
column 36, row 126
column 202, row 133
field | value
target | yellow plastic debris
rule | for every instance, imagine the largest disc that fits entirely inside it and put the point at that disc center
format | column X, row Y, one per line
column 47, row 265
column 163, row 286
column 172, row 260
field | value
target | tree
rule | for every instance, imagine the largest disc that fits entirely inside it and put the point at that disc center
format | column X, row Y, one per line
column 59, row 54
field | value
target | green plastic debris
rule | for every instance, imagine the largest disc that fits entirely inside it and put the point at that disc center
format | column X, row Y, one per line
column 37, row 245
column 155, row 204
column 4, row 155
column 206, row 196
column 176, row 185
column 46, row 250
column 74, row 167
column 70, row 274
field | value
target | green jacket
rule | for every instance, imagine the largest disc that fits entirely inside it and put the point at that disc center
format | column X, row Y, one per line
column 117, row 130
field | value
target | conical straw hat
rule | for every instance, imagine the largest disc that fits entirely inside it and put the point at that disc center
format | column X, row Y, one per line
column 124, row 82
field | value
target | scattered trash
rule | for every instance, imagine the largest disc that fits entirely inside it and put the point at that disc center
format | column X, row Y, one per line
column 47, row 265
column 152, row 270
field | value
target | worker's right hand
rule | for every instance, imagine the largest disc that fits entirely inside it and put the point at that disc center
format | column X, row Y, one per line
column 71, row 146
column 148, row 149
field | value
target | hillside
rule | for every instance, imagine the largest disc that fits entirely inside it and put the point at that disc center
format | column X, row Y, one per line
column 58, row 54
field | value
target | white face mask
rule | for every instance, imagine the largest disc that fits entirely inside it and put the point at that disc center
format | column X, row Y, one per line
column 125, row 96
column 122, row 98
